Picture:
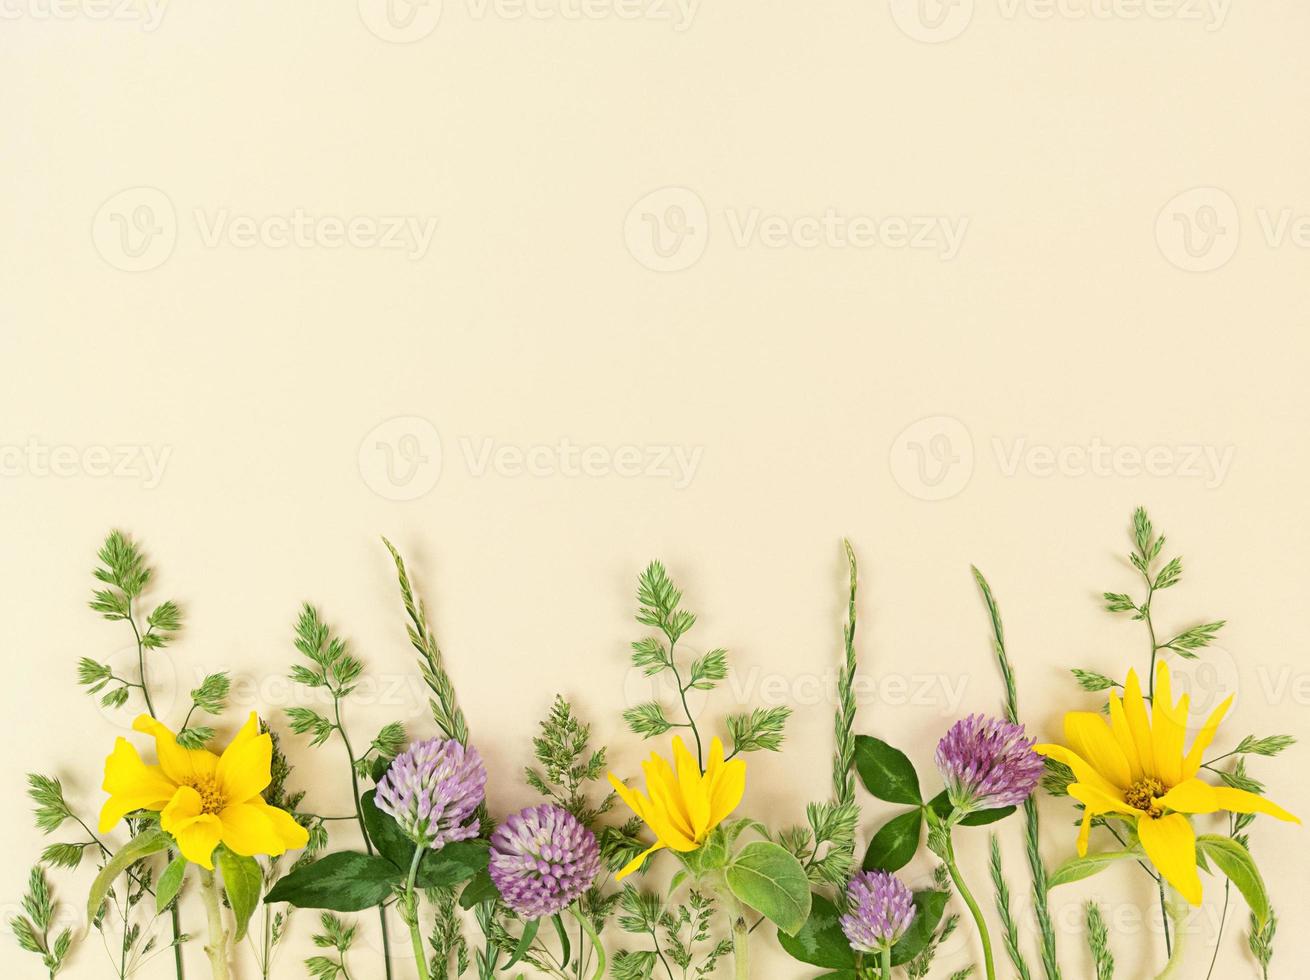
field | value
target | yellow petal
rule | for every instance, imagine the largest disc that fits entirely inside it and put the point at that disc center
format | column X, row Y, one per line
column 247, row 831
column 636, row 862
column 728, row 789
column 1083, row 772
column 1240, row 801
column 198, row 840
column 293, row 835
column 1170, row 843
column 244, row 770
column 1085, row 832
column 635, row 801
column 132, row 785
column 1191, row 796
column 691, row 789
column 1139, row 725
column 1123, row 734
column 1098, row 801
column 248, row 731
column 1192, row 764
column 182, row 809
column 196, row 833
column 1168, row 728
column 182, row 766
column 666, row 800
column 1090, row 737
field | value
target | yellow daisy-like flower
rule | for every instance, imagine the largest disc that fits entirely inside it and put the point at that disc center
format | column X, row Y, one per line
column 202, row 799
column 682, row 806
column 1135, row 766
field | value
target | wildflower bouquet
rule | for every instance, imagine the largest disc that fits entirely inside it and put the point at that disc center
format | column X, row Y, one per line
column 668, row 861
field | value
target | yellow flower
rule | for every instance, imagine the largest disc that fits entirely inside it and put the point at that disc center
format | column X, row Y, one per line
column 682, row 807
column 1135, row 766
column 202, row 799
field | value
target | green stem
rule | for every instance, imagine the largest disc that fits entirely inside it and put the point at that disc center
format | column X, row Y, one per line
column 741, row 935
column 590, row 930
column 886, row 963
column 1177, row 910
column 363, row 829
column 988, row 961
column 216, row 948
column 411, row 915
column 682, row 694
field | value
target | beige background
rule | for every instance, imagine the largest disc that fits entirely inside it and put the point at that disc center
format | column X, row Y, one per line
column 726, row 241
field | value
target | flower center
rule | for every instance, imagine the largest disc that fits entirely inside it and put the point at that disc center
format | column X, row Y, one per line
column 1142, row 794
column 212, row 799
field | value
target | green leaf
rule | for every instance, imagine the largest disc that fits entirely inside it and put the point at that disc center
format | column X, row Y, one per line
column 895, row 843
column 770, row 880
column 453, row 864
column 343, row 882
column 386, row 835
column 242, row 881
column 820, row 942
column 479, row 889
column 886, row 772
column 1076, row 869
column 143, row 845
column 525, row 942
column 566, row 949
column 928, row 909
column 170, row 883
column 941, row 804
column 1236, row 862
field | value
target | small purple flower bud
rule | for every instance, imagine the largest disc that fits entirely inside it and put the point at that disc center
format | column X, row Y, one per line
column 432, row 790
column 987, row 763
column 542, row 860
column 881, row 908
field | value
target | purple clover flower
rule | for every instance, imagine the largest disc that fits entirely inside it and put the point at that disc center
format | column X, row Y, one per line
column 881, row 908
column 987, row 763
column 432, row 790
column 542, row 860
